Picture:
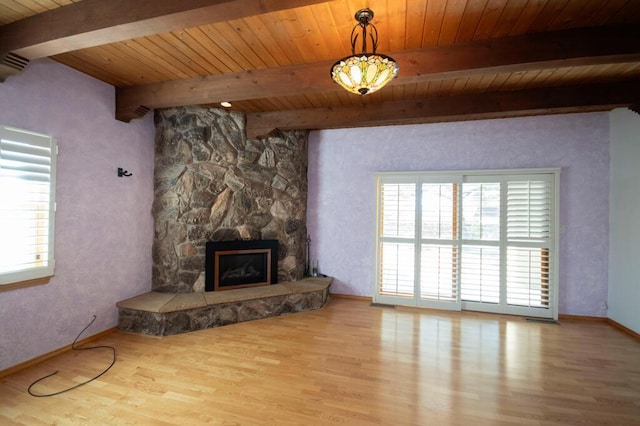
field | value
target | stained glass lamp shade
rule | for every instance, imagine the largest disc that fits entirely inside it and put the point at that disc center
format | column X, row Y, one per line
column 364, row 72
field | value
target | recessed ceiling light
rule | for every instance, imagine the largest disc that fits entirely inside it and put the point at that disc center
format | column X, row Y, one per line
column 226, row 104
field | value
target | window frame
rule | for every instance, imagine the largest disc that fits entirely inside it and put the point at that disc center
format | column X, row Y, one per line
column 461, row 176
column 35, row 275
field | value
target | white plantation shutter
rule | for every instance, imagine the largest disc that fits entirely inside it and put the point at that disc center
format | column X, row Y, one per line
column 481, row 211
column 480, row 262
column 439, row 248
column 439, row 201
column 417, row 242
column 397, row 269
column 528, row 240
column 27, row 198
column 398, row 209
column 529, row 210
column 397, row 232
column 439, row 273
column 469, row 240
column 480, row 276
column 528, row 277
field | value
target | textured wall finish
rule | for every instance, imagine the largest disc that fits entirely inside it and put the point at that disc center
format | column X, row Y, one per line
column 103, row 228
column 212, row 184
column 342, row 206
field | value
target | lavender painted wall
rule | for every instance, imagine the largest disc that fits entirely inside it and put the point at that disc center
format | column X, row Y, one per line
column 343, row 163
column 103, row 223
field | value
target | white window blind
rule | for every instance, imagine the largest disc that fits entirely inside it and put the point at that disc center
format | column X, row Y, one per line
column 439, row 247
column 438, row 272
column 27, row 200
column 480, row 263
column 528, row 242
column 474, row 240
column 397, row 202
column 480, row 274
column 528, row 210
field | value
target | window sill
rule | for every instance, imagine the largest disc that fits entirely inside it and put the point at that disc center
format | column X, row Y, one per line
column 24, row 284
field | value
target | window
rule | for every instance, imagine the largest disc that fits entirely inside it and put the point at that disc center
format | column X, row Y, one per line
column 27, row 201
column 469, row 240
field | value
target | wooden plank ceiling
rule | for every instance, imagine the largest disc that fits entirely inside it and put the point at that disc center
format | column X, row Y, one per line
column 459, row 59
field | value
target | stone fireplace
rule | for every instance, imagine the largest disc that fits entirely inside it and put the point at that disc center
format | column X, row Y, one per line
column 213, row 184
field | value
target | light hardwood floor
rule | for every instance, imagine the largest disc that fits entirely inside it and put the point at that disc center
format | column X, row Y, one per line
column 347, row 363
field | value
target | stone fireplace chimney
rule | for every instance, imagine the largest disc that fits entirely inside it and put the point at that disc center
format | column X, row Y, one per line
column 212, row 184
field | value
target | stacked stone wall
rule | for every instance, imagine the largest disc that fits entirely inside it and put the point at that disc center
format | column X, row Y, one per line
column 212, row 184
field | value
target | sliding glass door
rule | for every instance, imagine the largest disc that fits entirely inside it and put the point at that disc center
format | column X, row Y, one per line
column 470, row 240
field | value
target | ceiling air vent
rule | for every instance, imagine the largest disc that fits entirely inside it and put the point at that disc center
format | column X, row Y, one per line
column 141, row 111
column 12, row 64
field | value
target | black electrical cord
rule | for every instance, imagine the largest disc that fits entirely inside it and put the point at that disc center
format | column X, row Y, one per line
column 73, row 346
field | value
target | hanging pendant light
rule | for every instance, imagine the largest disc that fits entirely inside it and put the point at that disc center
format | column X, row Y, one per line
column 367, row 71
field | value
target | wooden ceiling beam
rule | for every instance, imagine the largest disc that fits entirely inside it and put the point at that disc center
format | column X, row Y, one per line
column 585, row 46
column 550, row 100
column 556, row 49
column 92, row 23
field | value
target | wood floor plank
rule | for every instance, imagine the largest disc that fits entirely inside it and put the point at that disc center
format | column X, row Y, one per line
column 348, row 363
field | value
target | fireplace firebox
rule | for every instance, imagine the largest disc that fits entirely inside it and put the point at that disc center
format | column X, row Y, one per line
column 239, row 264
